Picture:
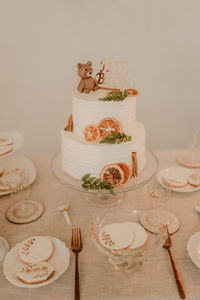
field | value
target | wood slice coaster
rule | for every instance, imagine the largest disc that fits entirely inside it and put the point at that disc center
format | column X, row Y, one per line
column 22, row 212
column 186, row 161
column 150, row 220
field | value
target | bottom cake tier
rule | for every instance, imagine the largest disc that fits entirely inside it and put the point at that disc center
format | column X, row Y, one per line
column 78, row 157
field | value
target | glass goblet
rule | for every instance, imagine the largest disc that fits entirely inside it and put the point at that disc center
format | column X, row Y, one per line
column 4, row 246
column 19, row 187
column 158, row 196
column 193, row 146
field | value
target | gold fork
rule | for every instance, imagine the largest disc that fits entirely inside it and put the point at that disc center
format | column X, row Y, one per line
column 167, row 245
column 76, row 246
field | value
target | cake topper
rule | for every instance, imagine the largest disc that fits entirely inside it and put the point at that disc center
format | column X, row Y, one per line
column 87, row 82
column 120, row 74
column 101, row 75
column 118, row 78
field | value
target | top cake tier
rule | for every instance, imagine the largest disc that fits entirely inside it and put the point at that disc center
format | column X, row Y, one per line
column 87, row 109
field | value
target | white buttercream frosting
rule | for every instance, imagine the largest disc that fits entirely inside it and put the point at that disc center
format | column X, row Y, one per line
column 87, row 110
column 80, row 157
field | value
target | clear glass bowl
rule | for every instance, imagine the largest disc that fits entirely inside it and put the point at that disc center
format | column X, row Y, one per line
column 127, row 260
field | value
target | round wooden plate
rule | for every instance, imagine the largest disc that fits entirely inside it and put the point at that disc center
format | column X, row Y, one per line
column 149, row 220
column 30, row 211
column 186, row 161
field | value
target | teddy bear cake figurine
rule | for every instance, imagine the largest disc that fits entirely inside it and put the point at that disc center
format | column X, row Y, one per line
column 87, row 82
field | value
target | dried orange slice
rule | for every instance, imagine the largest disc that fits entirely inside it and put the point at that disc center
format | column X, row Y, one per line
column 113, row 174
column 127, row 172
column 112, row 91
column 132, row 92
column 92, row 133
column 109, row 126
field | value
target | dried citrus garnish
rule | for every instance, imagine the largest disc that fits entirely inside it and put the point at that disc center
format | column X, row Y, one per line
column 127, row 172
column 113, row 174
column 109, row 126
column 132, row 92
column 92, row 133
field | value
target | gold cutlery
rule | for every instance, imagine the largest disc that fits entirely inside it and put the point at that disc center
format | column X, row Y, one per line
column 76, row 246
column 167, row 245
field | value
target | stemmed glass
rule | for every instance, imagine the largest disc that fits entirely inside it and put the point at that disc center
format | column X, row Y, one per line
column 158, row 195
column 193, row 141
column 191, row 158
column 19, row 191
column 4, row 246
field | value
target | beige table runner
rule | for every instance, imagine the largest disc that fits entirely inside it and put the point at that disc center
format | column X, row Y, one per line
column 98, row 279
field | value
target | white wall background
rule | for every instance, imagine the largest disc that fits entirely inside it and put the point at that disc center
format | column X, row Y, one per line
column 42, row 40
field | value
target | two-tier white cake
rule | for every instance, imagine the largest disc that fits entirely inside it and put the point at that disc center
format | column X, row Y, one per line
column 81, row 155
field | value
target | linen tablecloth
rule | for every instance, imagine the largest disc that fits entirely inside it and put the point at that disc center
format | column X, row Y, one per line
column 98, row 279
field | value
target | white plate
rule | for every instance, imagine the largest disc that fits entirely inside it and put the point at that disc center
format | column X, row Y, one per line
column 193, row 248
column 186, row 189
column 18, row 141
column 21, row 162
column 59, row 260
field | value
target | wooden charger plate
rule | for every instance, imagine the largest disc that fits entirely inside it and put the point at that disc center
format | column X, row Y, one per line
column 149, row 220
column 186, row 161
column 15, row 215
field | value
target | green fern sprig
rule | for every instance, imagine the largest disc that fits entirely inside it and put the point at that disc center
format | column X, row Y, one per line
column 93, row 183
column 115, row 96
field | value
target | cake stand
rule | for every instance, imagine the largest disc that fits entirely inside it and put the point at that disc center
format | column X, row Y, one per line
column 103, row 198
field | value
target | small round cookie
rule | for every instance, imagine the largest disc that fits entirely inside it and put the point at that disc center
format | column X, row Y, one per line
column 4, row 149
column 35, row 273
column 139, row 233
column 6, row 141
column 36, row 249
column 115, row 236
column 194, row 179
column 175, row 178
column 3, row 187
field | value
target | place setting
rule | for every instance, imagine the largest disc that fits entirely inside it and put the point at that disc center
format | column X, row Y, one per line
column 35, row 262
column 155, row 214
column 38, row 260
